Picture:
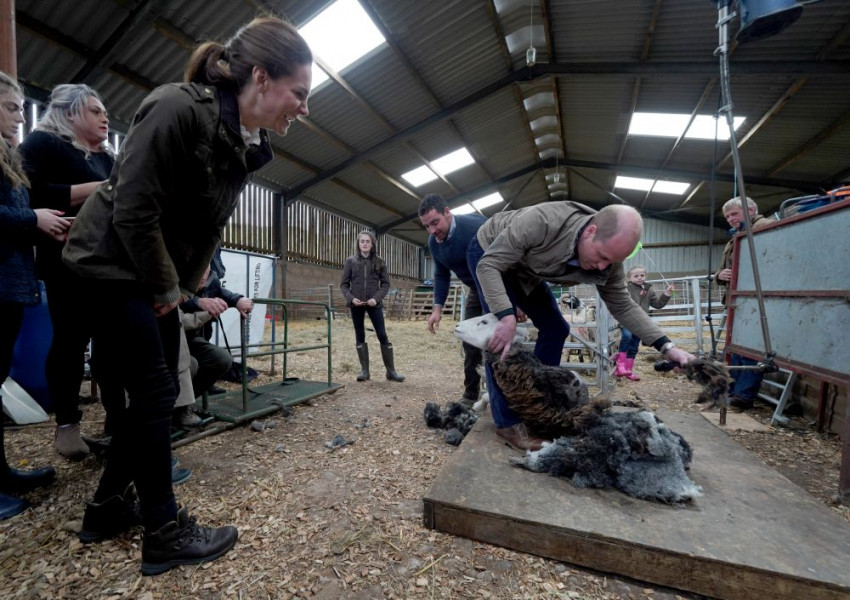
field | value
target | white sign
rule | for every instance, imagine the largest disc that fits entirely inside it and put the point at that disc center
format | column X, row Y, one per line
column 252, row 276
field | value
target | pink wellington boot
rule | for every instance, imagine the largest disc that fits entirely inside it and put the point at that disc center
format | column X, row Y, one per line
column 620, row 370
column 630, row 364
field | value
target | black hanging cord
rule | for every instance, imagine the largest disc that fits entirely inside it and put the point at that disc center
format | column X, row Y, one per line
column 712, row 198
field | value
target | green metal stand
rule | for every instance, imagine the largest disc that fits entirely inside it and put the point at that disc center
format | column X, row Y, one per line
column 253, row 402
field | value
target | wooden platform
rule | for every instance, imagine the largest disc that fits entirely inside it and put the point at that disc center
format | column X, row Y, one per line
column 753, row 534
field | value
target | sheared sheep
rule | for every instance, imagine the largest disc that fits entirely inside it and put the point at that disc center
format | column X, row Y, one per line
column 552, row 401
column 455, row 418
column 633, row 452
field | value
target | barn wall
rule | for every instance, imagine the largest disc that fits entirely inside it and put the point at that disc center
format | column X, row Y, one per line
column 807, row 392
column 671, row 249
column 318, row 283
column 677, row 249
column 303, row 276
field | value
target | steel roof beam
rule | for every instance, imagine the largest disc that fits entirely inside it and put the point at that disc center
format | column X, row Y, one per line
column 139, row 15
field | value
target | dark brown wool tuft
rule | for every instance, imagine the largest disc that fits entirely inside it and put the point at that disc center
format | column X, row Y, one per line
column 714, row 379
column 551, row 401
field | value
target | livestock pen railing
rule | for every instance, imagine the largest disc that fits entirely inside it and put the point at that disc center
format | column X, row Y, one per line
column 311, row 302
column 593, row 334
column 253, row 401
column 686, row 319
column 398, row 304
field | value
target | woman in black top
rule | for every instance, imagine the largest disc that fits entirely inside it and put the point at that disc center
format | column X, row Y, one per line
column 66, row 157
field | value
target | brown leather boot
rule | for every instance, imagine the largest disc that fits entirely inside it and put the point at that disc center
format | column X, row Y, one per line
column 518, row 438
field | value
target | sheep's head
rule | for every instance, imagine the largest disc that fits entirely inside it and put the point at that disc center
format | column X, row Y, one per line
column 478, row 331
column 569, row 301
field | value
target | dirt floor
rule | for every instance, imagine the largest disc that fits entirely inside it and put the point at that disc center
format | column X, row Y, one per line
column 343, row 523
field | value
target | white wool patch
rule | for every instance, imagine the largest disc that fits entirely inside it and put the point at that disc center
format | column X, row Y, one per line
column 482, row 403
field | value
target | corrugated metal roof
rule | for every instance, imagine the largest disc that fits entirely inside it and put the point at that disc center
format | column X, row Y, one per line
column 452, row 74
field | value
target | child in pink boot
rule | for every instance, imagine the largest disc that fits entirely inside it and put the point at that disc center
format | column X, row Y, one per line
column 643, row 295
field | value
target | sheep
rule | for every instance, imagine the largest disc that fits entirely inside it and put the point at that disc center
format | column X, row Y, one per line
column 552, row 401
column 482, row 403
column 568, row 301
column 633, row 452
column 578, row 314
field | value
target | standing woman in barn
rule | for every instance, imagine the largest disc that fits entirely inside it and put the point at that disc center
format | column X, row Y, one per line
column 65, row 158
column 20, row 226
column 145, row 238
column 365, row 283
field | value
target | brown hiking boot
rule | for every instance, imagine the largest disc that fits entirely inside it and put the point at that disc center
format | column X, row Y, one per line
column 518, row 438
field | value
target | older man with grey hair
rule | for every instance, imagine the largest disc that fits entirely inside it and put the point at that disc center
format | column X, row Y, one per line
column 747, row 382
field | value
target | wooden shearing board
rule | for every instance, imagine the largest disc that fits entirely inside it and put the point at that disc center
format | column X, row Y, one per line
column 753, row 534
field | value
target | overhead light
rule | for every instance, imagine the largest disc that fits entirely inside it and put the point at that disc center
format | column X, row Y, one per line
column 444, row 165
column 673, row 125
column 453, row 161
column 488, row 201
column 341, row 34
column 764, row 18
column 531, row 53
column 463, row 209
column 658, row 186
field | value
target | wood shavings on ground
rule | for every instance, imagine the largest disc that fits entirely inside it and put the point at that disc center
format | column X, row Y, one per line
column 343, row 524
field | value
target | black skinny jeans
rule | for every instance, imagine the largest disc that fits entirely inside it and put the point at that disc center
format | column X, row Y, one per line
column 376, row 315
column 137, row 352
column 64, row 368
column 10, row 326
column 471, row 354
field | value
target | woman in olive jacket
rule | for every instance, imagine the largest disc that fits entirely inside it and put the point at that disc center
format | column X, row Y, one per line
column 364, row 284
column 143, row 240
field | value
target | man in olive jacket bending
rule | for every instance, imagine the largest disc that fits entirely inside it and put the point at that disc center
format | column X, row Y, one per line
column 517, row 252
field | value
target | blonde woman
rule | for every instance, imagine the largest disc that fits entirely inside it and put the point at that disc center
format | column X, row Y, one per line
column 20, row 226
column 66, row 157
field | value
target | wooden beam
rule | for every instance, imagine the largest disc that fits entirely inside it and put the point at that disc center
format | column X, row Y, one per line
column 8, row 48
